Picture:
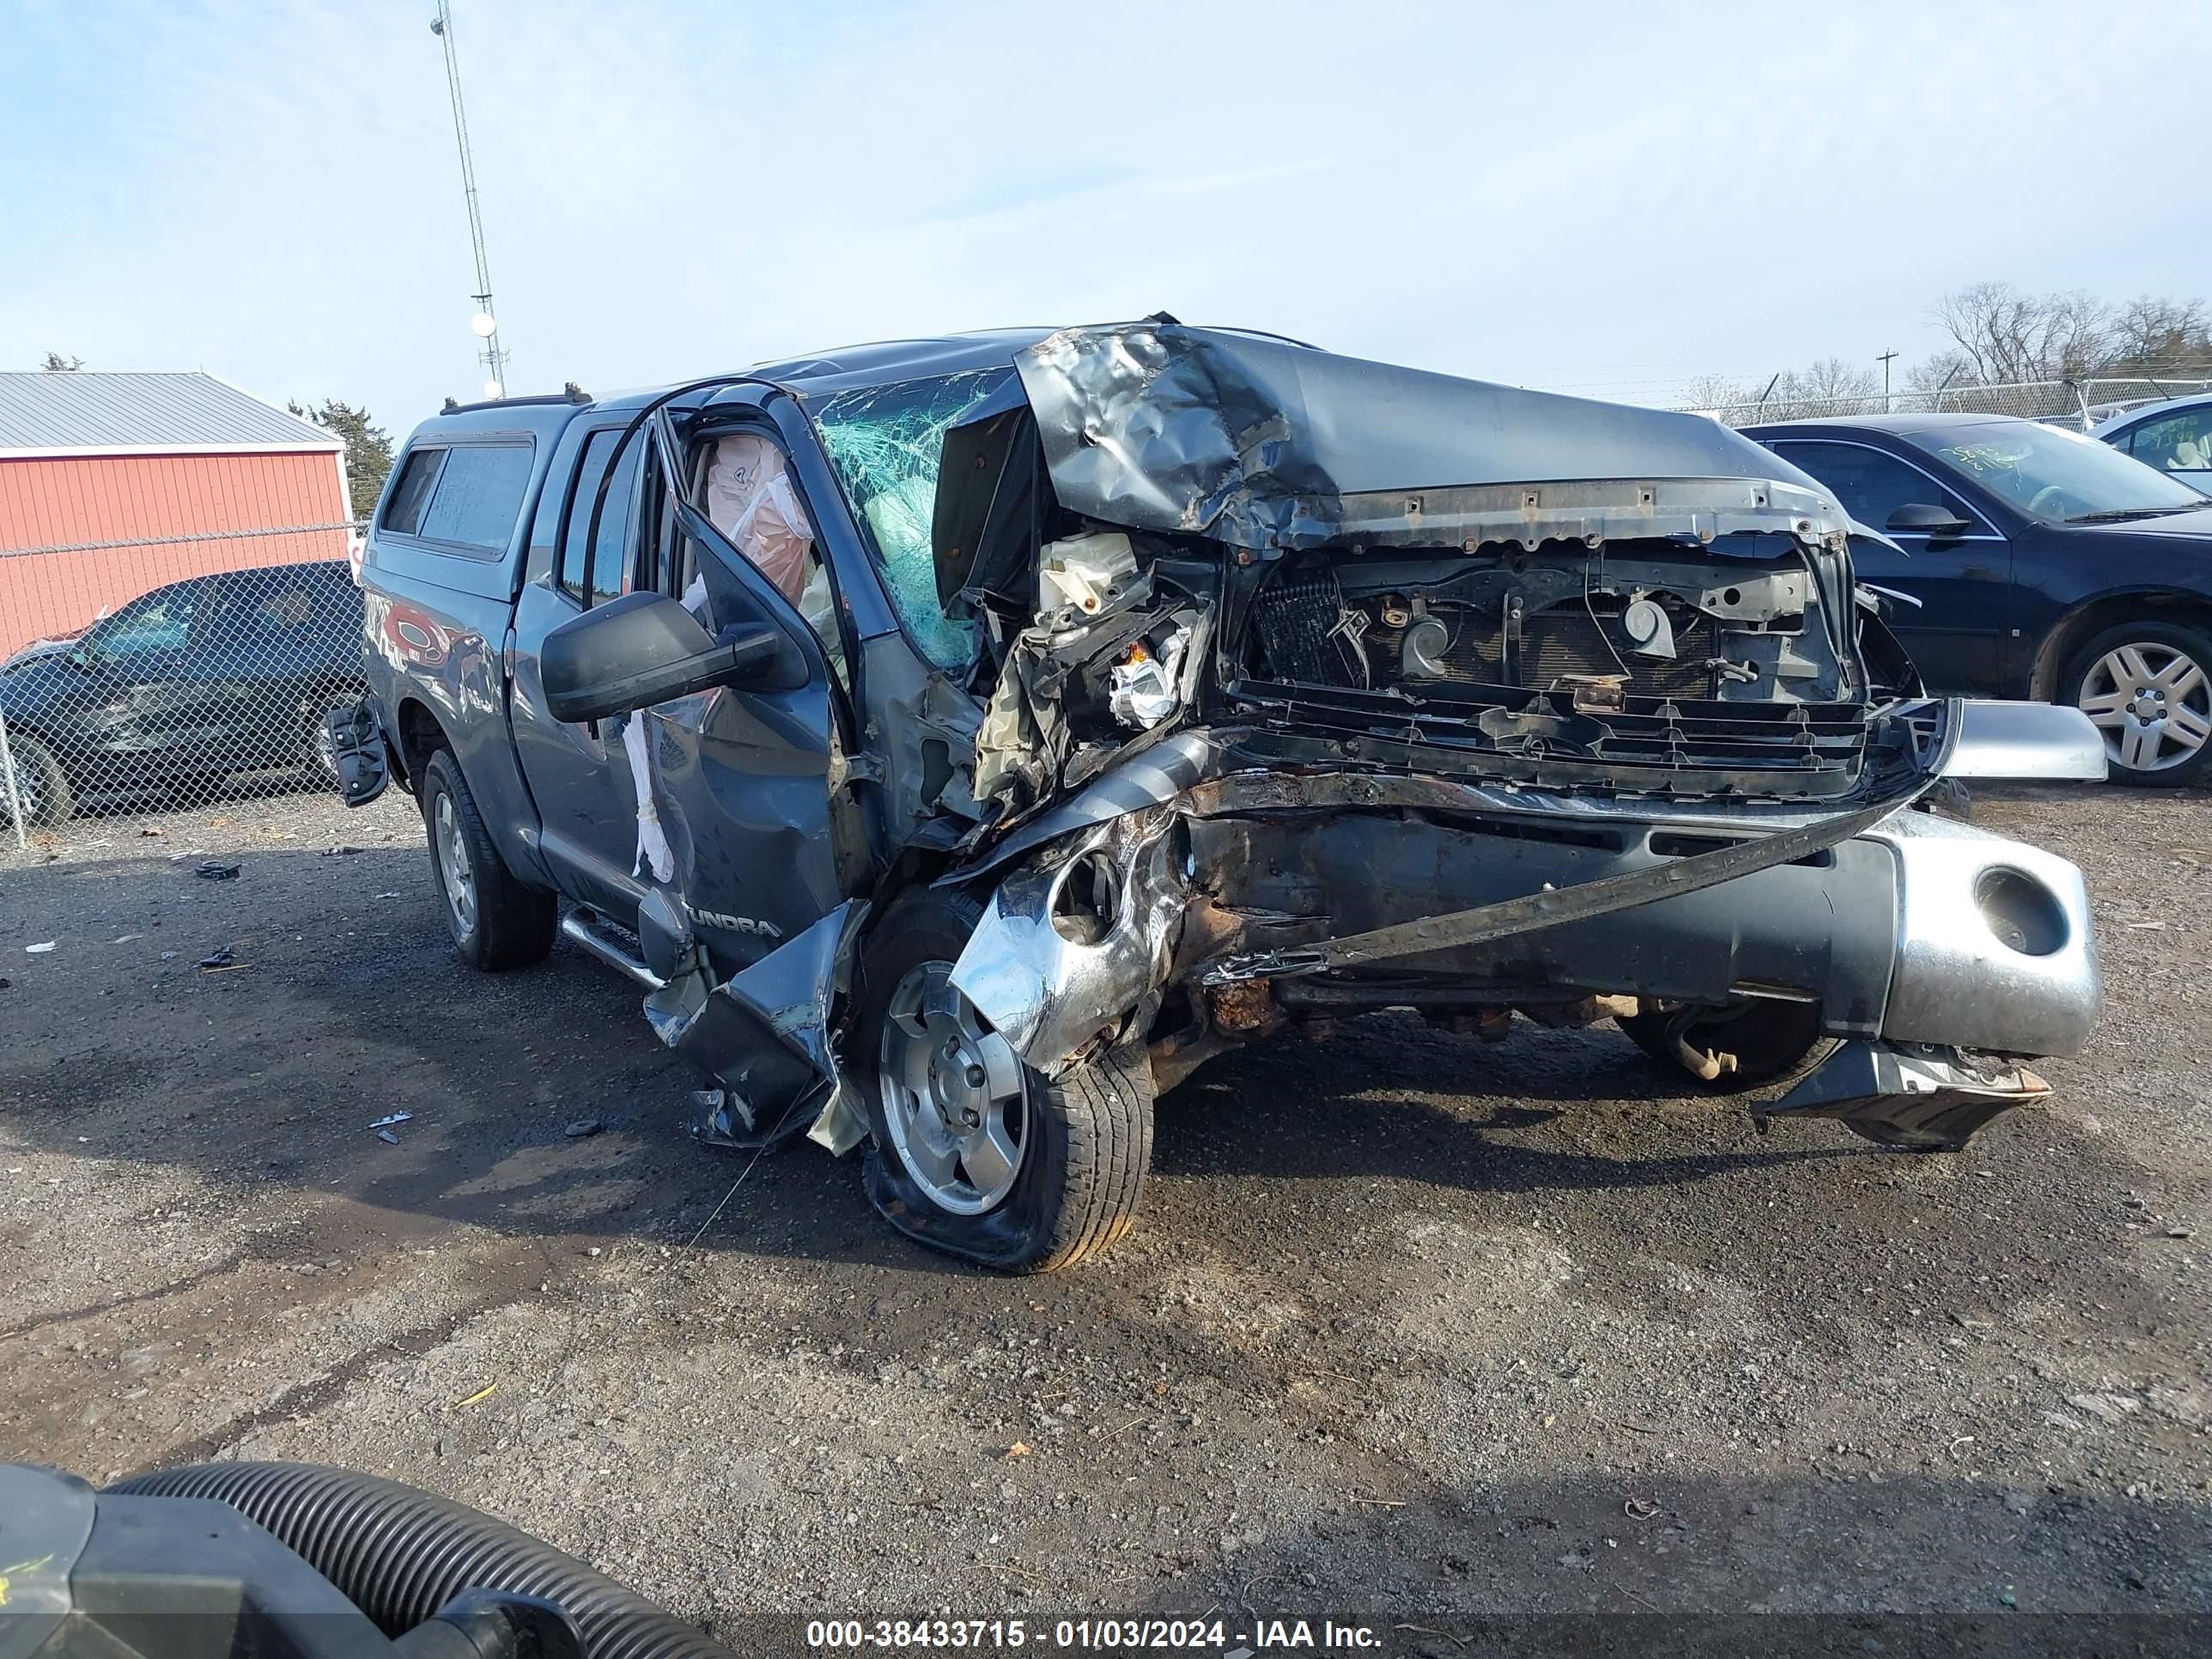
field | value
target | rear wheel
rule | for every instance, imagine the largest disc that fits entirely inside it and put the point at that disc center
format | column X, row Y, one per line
column 496, row 921
column 1774, row 1044
column 2148, row 687
column 977, row 1153
column 41, row 785
column 319, row 750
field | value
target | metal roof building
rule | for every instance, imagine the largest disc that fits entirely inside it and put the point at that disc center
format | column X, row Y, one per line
column 112, row 484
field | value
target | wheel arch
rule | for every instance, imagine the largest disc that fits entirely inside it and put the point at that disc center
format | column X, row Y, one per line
column 418, row 736
column 2091, row 616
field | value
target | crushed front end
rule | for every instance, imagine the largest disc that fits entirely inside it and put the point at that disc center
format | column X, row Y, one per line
column 1313, row 687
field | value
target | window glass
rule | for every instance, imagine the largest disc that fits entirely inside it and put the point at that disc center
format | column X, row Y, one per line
column 404, row 514
column 479, row 496
column 1870, row 485
column 162, row 621
column 2180, row 442
column 604, row 565
column 2061, row 478
column 887, row 444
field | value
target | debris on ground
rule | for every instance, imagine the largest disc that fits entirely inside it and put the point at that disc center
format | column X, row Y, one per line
column 395, row 1117
column 582, row 1127
column 387, row 1137
column 339, row 850
column 38, row 950
column 480, row 1395
column 215, row 960
column 211, row 870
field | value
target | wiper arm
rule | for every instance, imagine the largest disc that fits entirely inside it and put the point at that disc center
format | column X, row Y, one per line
column 2114, row 514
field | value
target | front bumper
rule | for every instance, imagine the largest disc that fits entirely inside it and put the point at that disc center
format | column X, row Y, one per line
column 1921, row 931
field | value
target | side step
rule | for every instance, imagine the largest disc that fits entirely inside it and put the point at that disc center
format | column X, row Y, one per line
column 611, row 943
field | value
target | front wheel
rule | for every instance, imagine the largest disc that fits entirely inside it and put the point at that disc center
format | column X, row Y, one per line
column 496, row 921
column 42, row 788
column 977, row 1153
column 1774, row 1044
column 2147, row 686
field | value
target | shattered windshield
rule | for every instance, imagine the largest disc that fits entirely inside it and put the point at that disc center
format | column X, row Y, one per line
column 2059, row 477
column 887, row 443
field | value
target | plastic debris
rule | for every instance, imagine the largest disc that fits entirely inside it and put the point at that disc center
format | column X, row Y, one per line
column 210, row 870
column 395, row 1117
column 222, row 958
column 582, row 1127
column 480, row 1395
column 340, row 851
column 128, row 938
column 39, row 949
column 387, row 1137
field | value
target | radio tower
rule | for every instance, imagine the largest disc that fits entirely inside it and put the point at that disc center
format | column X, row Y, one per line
column 485, row 322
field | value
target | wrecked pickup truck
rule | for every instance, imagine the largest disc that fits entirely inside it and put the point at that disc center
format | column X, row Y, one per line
column 962, row 739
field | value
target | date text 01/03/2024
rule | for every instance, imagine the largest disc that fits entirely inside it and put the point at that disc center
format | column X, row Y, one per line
column 1092, row 1635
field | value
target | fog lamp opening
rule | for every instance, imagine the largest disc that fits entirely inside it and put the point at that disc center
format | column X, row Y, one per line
column 2023, row 913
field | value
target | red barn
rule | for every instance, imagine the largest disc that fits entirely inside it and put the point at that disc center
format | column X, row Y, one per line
column 112, row 484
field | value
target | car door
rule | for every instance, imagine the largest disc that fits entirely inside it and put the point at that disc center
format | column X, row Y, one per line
column 2178, row 445
column 748, row 784
column 147, row 717
column 1959, row 631
column 580, row 775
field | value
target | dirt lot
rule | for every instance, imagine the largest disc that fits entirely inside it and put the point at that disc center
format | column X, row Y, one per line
column 1411, row 1323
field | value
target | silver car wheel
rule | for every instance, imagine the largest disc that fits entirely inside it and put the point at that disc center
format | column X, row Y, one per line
column 453, row 866
column 955, row 1097
column 2152, row 702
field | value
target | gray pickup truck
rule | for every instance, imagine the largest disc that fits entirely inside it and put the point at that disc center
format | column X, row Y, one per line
column 960, row 739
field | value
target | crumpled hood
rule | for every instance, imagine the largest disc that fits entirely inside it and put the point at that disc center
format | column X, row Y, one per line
column 1274, row 446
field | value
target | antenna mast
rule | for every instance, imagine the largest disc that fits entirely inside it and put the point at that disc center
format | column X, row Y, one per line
column 485, row 323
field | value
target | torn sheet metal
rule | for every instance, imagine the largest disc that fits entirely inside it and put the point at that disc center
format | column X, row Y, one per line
column 1272, row 446
column 1917, row 1097
column 765, row 1035
column 1069, row 947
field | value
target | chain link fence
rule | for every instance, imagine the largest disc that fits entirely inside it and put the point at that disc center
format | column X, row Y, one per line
column 164, row 672
column 2079, row 405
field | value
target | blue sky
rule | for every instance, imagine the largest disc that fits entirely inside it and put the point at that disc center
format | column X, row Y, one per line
column 1608, row 198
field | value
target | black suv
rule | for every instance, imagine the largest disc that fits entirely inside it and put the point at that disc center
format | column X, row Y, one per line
column 184, row 686
column 2037, row 563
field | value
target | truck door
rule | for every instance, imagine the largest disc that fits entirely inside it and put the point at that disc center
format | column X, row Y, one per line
column 749, row 785
column 578, row 776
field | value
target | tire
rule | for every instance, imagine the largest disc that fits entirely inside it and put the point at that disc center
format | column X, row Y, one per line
column 1085, row 1141
column 497, row 921
column 2157, row 670
column 40, row 784
column 318, row 756
column 1777, row 1045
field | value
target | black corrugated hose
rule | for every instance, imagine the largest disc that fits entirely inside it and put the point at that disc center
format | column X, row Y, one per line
column 399, row 1555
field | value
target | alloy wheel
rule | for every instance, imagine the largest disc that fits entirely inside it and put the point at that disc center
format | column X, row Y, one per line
column 2152, row 701
column 453, row 866
column 955, row 1095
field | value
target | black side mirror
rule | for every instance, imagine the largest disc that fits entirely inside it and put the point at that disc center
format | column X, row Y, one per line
column 641, row 649
column 1924, row 519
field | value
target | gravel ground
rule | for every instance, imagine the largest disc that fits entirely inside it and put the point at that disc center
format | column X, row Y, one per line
column 1411, row 1323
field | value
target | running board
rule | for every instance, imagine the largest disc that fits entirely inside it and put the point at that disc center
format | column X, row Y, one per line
column 582, row 925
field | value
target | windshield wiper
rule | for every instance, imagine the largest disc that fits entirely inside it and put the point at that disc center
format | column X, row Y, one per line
column 2114, row 514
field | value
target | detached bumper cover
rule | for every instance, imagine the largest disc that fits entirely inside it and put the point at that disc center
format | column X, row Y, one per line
column 1922, row 1098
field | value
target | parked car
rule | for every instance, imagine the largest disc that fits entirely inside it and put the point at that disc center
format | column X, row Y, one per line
column 2174, row 435
column 184, row 686
column 2035, row 564
column 962, row 739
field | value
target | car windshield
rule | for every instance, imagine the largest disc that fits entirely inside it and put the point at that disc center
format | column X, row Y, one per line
column 2061, row 478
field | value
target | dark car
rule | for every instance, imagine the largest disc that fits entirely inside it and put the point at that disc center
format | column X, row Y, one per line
column 184, row 686
column 2035, row 564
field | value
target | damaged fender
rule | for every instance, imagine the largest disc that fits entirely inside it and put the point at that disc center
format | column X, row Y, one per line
column 765, row 1035
column 1919, row 1096
column 1071, row 944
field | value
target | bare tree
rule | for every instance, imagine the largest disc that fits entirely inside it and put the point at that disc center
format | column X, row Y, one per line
column 2007, row 336
column 56, row 363
column 2152, row 335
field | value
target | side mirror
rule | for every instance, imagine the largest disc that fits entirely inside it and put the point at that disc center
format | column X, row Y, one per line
column 641, row 649
column 1919, row 517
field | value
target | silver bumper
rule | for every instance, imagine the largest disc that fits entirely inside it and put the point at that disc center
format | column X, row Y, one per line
column 1995, row 950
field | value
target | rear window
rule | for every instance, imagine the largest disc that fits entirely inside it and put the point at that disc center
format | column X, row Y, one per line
column 478, row 496
column 403, row 514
